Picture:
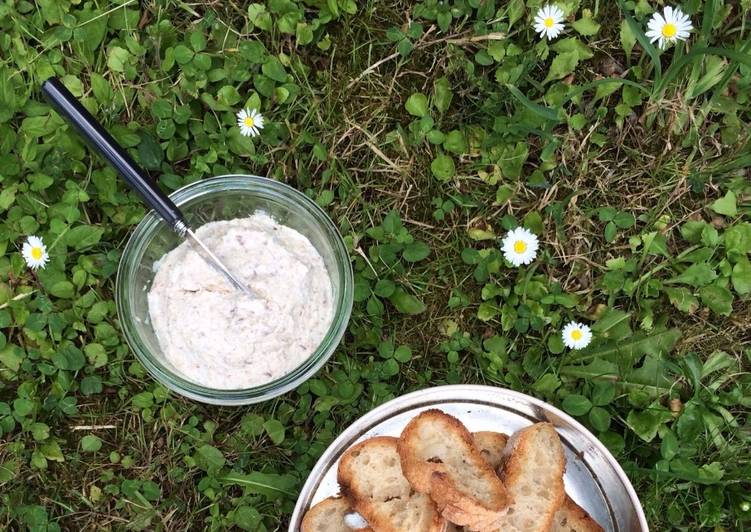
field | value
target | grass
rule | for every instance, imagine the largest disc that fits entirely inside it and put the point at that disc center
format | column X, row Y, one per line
column 90, row 441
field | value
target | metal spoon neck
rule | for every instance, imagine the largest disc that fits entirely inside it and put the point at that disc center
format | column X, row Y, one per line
column 180, row 228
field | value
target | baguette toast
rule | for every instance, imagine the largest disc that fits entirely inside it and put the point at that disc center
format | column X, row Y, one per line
column 570, row 517
column 370, row 476
column 491, row 445
column 439, row 458
column 533, row 474
column 329, row 515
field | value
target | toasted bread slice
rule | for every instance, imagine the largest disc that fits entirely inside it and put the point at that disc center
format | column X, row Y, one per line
column 370, row 475
column 330, row 515
column 570, row 517
column 533, row 474
column 439, row 458
column 491, row 445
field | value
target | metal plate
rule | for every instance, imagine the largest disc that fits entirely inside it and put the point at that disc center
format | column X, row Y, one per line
column 593, row 478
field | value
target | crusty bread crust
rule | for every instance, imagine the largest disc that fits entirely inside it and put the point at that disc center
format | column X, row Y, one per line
column 439, row 458
column 371, row 478
column 571, row 517
column 533, row 473
column 491, row 445
column 329, row 516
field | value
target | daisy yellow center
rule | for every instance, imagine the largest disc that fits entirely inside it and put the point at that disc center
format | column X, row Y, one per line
column 549, row 22
column 36, row 253
column 576, row 334
column 520, row 246
column 669, row 30
column 249, row 122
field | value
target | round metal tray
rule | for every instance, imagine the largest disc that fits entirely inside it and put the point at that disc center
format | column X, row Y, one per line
column 593, row 478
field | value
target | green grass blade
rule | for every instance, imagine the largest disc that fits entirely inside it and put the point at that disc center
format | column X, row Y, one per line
column 548, row 113
column 696, row 55
column 593, row 84
column 641, row 38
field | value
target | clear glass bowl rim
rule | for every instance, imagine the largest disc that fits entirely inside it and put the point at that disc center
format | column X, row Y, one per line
column 262, row 187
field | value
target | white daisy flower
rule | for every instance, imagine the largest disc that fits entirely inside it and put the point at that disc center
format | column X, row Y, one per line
column 35, row 252
column 250, row 122
column 576, row 335
column 673, row 25
column 519, row 246
column 549, row 21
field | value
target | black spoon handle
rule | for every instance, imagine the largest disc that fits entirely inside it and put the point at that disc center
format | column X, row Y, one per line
column 103, row 143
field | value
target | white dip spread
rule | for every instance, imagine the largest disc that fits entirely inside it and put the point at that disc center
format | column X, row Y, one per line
column 216, row 336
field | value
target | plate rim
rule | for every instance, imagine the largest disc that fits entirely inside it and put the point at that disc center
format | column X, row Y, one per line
column 400, row 403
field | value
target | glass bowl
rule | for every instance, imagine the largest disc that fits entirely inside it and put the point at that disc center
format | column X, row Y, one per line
column 225, row 198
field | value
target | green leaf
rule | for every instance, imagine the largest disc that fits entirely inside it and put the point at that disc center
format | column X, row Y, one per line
column 455, row 142
column 275, row 430
column 572, row 44
column 576, row 405
column 646, row 423
column 84, row 236
column 150, row 153
column 738, row 238
column 274, row 69
column 632, row 348
column 209, row 458
column 628, row 39
column 692, row 230
column 303, row 34
column 267, row 484
column 487, row 311
column 62, row 289
column 682, row 299
column 183, row 54
column 624, row 220
column 69, row 357
column 725, row 205
column 546, row 113
column 406, row 303
column 718, row 298
column 513, row 159
column 637, row 32
column 197, row 41
column 117, row 58
column 603, row 393
column 90, row 443
column 383, row 288
column 91, row 385
column 613, row 325
column 40, row 431
column 442, row 94
column 8, row 470
column 586, row 26
column 23, row 407
column 443, row 167
column 533, row 221
column 417, row 105
column 610, row 232
column 259, row 17
column 563, row 65
column 416, row 251
column 695, row 275
column 741, row 276
column 51, row 451
column 403, row 354
column 143, row 400
column 599, row 418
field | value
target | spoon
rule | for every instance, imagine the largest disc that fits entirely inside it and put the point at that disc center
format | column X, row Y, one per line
column 102, row 142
